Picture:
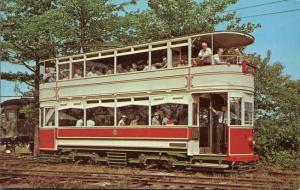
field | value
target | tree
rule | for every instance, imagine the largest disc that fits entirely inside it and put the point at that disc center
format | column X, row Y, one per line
column 34, row 30
column 173, row 18
column 277, row 102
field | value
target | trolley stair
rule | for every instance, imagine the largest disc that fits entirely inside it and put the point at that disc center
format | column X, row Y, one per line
column 117, row 159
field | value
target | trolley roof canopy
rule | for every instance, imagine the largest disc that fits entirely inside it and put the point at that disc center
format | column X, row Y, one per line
column 219, row 39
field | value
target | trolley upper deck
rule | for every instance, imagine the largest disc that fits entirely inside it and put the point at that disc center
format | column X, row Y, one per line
column 165, row 65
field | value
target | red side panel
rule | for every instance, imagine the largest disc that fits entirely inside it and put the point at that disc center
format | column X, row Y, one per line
column 131, row 133
column 241, row 141
column 47, row 139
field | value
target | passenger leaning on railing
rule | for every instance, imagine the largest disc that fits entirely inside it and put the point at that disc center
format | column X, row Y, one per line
column 204, row 56
column 219, row 57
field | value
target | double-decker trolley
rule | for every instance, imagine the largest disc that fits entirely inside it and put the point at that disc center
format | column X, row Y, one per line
column 185, row 102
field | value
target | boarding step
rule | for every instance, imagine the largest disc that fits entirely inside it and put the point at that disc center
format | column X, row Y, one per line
column 117, row 159
column 48, row 158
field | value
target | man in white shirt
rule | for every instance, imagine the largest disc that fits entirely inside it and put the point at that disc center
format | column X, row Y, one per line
column 155, row 119
column 92, row 72
column 122, row 121
column 205, row 55
column 90, row 123
column 221, row 126
column 79, row 123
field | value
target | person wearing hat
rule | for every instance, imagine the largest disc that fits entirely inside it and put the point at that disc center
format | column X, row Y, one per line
column 122, row 121
column 155, row 119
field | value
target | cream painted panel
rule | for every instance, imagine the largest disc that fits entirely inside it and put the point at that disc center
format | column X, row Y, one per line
column 46, row 94
column 118, row 143
column 124, row 87
column 223, row 81
column 217, row 68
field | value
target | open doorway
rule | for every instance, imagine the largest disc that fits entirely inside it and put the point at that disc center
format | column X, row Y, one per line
column 213, row 136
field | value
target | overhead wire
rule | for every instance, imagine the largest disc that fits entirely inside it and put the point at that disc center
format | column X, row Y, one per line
column 272, row 13
column 258, row 5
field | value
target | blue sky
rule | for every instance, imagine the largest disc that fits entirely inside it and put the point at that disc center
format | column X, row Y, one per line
column 279, row 33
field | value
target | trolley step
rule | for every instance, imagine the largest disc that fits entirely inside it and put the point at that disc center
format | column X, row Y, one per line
column 117, row 159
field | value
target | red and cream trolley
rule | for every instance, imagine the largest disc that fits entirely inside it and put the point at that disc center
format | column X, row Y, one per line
column 84, row 98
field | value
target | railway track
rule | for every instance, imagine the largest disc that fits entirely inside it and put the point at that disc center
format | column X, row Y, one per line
column 12, row 172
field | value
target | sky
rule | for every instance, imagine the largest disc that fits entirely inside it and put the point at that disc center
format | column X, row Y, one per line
column 279, row 33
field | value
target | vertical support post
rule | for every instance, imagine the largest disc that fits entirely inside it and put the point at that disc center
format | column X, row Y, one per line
column 169, row 55
column 71, row 68
column 56, row 116
column 84, row 114
column 212, row 48
column 84, row 66
column 149, row 56
column 149, row 113
column 190, row 51
column 57, row 71
column 190, row 111
column 115, row 62
column 115, row 113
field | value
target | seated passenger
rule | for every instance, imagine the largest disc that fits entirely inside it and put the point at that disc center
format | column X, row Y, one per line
column 204, row 56
column 122, row 121
column 119, row 68
column 98, row 72
column 136, row 121
column 79, row 122
column 239, row 56
column 167, row 120
column 155, row 119
column 90, row 123
column 92, row 72
column 133, row 68
column 109, row 71
column 218, row 58
column 182, row 63
column 160, row 65
column 65, row 75
column 77, row 74
column 49, row 77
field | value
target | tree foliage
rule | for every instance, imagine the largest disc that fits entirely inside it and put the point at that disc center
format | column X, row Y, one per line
column 277, row 103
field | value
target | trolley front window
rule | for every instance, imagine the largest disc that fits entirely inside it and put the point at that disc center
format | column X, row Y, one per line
column 49, row 117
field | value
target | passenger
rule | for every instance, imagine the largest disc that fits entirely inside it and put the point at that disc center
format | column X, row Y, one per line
column 239, row 56
column 90, row 123
column 109, row 71
column 204, row 56
column 98, row 72
column 155, row 119
column 119, row 68
column 79, row 122
column 218, row 58
column 65, row 75
column 77, row 74
column 133, row 68
column 136, row 121
column 182, row 63
column 222, row 122
column 122, row 121
column 92, row 72
column 160, row 65
column 167, row 120
column 49, row 77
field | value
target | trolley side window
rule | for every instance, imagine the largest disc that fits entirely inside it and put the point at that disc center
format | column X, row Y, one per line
column 248, row 113
column 133, row 115
column 100, row 116
column 235, row 110
column 170, row 114
column 71, row 117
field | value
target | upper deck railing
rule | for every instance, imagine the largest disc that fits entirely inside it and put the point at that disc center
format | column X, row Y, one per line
column 221, row 48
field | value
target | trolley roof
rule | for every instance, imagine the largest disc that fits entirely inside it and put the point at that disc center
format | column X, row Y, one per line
column 220, row 39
